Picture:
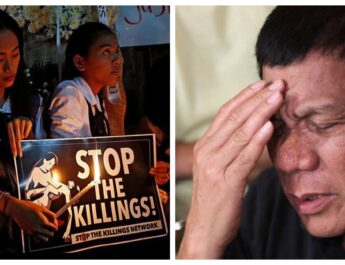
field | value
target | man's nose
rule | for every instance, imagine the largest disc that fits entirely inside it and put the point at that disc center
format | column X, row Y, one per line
column 296, row 152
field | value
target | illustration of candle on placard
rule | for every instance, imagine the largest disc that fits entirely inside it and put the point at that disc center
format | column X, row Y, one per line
column 80, row 194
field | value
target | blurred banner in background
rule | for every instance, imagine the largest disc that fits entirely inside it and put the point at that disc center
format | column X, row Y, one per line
column 143, row 25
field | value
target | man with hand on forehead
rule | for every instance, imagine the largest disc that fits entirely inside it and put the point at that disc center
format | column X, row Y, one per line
column 297, row 209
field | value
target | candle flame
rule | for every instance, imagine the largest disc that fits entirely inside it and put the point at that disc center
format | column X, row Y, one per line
column 55, row 177
column 97, row 174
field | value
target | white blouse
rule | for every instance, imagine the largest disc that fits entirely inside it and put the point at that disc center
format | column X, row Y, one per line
column 69, row 109
column 6, row 106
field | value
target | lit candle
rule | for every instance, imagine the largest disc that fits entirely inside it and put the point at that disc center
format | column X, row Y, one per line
column 55, row 183
column 83, row 191
column 96, row 173
column 55, row 177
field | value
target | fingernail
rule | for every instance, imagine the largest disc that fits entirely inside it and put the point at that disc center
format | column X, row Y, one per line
column 274, row 97
column 258, row 85
column 275, row 85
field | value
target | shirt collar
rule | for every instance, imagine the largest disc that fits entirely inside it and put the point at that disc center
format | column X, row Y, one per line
column 86, row 90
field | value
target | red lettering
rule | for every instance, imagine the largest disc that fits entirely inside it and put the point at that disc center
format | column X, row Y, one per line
column 137, row 21
column 146, row 9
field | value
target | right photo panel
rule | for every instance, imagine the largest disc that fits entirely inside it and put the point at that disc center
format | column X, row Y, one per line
column 260, row 132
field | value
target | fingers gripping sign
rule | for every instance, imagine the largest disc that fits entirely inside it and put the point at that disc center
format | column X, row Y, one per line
column 161, row 172
column 18, row 129
column 223, row 159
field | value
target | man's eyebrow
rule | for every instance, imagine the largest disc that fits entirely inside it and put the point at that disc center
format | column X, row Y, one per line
column 323, row 109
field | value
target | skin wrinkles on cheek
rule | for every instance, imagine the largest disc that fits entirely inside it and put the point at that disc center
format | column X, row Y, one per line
column 338, row 148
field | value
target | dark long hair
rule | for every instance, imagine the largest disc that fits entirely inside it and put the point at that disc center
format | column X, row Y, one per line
column 48, row 156
column 80, row 42
column 19, row 92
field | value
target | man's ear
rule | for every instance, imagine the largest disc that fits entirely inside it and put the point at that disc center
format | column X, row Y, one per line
column 79, row 62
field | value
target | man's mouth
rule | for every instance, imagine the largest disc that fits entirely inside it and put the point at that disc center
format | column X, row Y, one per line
column 312, row 203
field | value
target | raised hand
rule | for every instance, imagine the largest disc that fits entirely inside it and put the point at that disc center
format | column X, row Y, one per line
column 223, row 160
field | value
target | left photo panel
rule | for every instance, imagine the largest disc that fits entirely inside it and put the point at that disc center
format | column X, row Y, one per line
column 85, row 129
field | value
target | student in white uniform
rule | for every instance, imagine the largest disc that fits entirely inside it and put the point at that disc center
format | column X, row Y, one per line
column 93, row 63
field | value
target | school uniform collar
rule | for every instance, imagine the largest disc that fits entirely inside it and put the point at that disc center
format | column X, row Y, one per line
column 86, row 90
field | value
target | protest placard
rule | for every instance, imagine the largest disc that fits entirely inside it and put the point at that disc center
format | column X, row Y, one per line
column 100, row 189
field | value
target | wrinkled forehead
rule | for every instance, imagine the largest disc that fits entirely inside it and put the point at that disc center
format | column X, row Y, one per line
column 318, row 80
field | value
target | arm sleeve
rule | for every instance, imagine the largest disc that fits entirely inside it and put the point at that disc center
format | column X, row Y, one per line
column 66, row 114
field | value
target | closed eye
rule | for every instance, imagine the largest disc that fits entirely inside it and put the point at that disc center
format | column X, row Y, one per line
column 319, row 128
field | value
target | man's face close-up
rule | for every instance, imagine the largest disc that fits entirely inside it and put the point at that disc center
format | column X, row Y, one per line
column 308, row 144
